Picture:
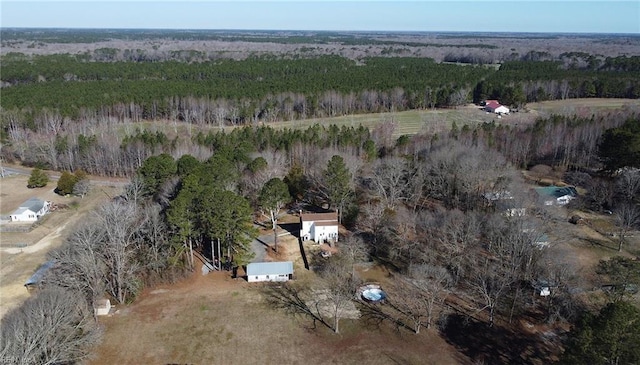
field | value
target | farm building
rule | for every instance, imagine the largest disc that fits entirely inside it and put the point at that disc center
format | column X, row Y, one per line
column 555, row 195
column 541, row 241
column 269, row 271
column 319, row 227
column 492, row 106
column 30, row 211
column 33, row 283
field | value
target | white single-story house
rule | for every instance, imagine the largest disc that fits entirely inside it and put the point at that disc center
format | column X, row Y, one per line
column 555, row 195
column 30, row 211
column 269, row 271
column 319, row 227
column 493, row 106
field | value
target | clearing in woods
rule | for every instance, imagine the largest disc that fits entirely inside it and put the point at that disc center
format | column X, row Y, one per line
column 22, row 253
column 214, row 319
column 417, row 121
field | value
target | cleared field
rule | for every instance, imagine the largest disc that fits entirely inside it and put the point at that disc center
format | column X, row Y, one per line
column 22, row 253
column 214, row 319
column 406, row 122
column 578, row 105
column 416, row 121
column 439, row 120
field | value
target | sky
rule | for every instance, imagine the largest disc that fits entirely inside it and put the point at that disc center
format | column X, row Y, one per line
column 572, row 16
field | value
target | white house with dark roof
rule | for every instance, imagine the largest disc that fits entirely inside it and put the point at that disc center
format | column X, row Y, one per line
column 30, row 211
column 319, row 227
column 269, row 271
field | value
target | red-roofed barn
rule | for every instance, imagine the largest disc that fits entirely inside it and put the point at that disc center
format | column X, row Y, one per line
column 493, row 106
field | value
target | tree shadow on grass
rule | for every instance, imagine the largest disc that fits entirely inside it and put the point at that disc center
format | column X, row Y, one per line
column 292, row 299
column 600, row 244
column 495, row 345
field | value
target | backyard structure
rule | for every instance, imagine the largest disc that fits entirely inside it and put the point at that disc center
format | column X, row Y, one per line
column 555, row 195
column 319, row 227
column 33, row 283
column 30, row 211
column 269, row 271
column 101, row 307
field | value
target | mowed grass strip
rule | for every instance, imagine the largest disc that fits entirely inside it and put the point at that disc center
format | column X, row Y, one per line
column 412, row 121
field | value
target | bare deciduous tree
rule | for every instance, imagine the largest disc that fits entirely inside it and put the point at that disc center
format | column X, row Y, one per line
column 80, row 265
column 354, row 249
column 559, row 303
column 417, row 295
column 628, row 184
column 338, row 289
column 627, row 217
column 293, row 299
column 81, row 187
column 55, row 326
column 391, row 179
column 119, row 221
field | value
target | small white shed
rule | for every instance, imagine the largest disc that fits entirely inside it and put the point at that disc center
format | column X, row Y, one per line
column 269, row 271
column 101, row 307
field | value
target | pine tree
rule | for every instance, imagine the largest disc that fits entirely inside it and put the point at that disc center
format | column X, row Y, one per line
column 66, row 183
column 611, row 337
column 337, row 184
column 37, row 179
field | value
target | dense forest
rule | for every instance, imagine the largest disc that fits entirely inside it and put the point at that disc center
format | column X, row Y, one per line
column 265, row 89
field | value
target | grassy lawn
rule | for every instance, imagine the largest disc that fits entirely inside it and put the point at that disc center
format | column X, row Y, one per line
column 214, row 319
column 413, row 121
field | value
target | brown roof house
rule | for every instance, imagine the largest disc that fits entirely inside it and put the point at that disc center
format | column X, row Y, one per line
column 319, row 227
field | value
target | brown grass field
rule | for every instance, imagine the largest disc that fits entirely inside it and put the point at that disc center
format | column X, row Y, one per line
column 22, row 253
column 215, row 319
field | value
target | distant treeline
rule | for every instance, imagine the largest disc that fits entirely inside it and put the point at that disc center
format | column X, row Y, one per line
column 256, row 88
column 270, row 88
column 281, row 37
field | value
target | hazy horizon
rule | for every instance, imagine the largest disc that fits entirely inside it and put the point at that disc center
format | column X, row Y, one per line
column 312, row 31
column 516, row 16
